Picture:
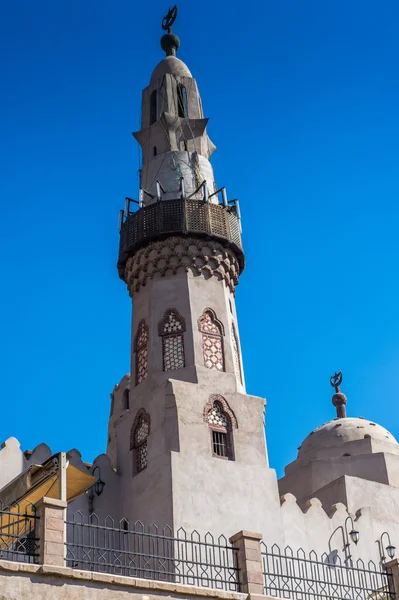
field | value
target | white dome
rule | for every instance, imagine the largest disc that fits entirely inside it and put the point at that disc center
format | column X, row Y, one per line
column 170, row 64
column 340, row 431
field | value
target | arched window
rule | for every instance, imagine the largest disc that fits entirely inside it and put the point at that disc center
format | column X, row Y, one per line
column 125, row 400
column 138, row 440
column 171, row 329
column 236, row 353
column 153, row 107
column 221, row 421
column 141, row 350
column 182, row 105
column 212, row 340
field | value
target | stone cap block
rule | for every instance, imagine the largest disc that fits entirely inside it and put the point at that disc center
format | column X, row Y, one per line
column 45, row 501
column 250, row 535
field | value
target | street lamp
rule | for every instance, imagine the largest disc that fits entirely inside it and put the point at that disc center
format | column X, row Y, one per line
column 390, row 549
column 353, row 534
column 99, row 485
column 98, row 488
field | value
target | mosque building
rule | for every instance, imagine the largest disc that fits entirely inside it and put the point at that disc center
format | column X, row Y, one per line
column 184, row 502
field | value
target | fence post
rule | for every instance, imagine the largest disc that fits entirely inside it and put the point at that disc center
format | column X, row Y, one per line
column 51, row 531
column 249, row 559
column 392, row 568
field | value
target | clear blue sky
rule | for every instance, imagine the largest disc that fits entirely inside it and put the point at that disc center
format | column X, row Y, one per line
column 303, row 103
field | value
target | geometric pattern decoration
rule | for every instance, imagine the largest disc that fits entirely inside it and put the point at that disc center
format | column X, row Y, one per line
column 171, row 329
column 141, row 350
column 212, row 341
column 206, row 258
column 138, row 439
column 217, row 401
column 217, row 417
column 236, row 353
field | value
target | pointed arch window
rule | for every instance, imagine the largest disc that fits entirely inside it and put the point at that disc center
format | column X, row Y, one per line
column 212, row 340
column 153, row 107
column 141, row 350
column 182, row 104
column 138, row 440
column 221, row 422
column 171, row 329
column 236, row 352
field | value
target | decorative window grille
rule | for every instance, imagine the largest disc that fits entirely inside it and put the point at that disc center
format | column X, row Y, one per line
column 221, row 421
column 138, row 440
column 219, row 444
column 171, row 329
column 236, row 353
column 141, row 349
column 212, row 340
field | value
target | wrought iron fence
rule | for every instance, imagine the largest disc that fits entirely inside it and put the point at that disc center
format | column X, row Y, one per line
column 302, row 576
column 179, row 216
column 18, row 540
column 151, row 553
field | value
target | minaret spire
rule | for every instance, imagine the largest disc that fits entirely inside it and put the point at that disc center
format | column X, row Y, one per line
column 339, row 400
column 170, row 42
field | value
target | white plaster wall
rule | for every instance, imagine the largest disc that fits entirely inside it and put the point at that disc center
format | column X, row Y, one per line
column 169, row 167
column 190, row 295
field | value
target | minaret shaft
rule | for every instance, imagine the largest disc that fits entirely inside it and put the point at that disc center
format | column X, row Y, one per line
column 184, row 443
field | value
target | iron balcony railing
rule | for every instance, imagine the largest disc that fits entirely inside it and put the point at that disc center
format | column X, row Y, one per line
column 151, row 553
column 179, row 216
column 299, row 576
column 18, row 538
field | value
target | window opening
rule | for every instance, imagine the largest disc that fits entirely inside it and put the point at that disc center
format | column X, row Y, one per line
column 220, row 424
column 138, row 440
column 171, row 329
column 153, row 107
column 219, row 443
column 155, row 150
column 212, row 341
column 125, row 400
column 182, row 105
column 141, row 349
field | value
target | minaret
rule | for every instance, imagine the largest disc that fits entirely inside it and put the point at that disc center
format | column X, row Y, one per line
column 189, row 444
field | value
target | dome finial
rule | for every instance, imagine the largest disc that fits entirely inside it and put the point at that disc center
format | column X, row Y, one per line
column 339, row 400
column 170, row 42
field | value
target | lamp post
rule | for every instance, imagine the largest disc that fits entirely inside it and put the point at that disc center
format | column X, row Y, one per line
column 353, row 534
column 98, row 488
column 390, row 548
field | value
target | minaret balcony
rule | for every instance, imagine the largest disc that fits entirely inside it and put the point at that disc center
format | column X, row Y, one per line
column 180, row 216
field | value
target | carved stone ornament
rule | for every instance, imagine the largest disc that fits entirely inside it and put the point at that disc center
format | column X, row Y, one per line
column 202, row 257
column 217, row 398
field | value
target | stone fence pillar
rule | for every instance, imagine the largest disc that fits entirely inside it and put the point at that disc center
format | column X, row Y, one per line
column 249, row 561
column 51, row 531
column 392, row 567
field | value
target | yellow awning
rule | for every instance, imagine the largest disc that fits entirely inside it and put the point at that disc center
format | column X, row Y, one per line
column 37, row 482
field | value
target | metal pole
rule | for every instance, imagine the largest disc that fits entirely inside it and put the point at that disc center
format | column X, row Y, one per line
column 238, row 214
column 62, row 475
column 183, row 192
column 224, row 196
column 206, row 194
column 158, row 191
column 120, row 219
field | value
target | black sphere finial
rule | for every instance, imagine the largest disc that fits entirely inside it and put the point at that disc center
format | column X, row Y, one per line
column 170, row 42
